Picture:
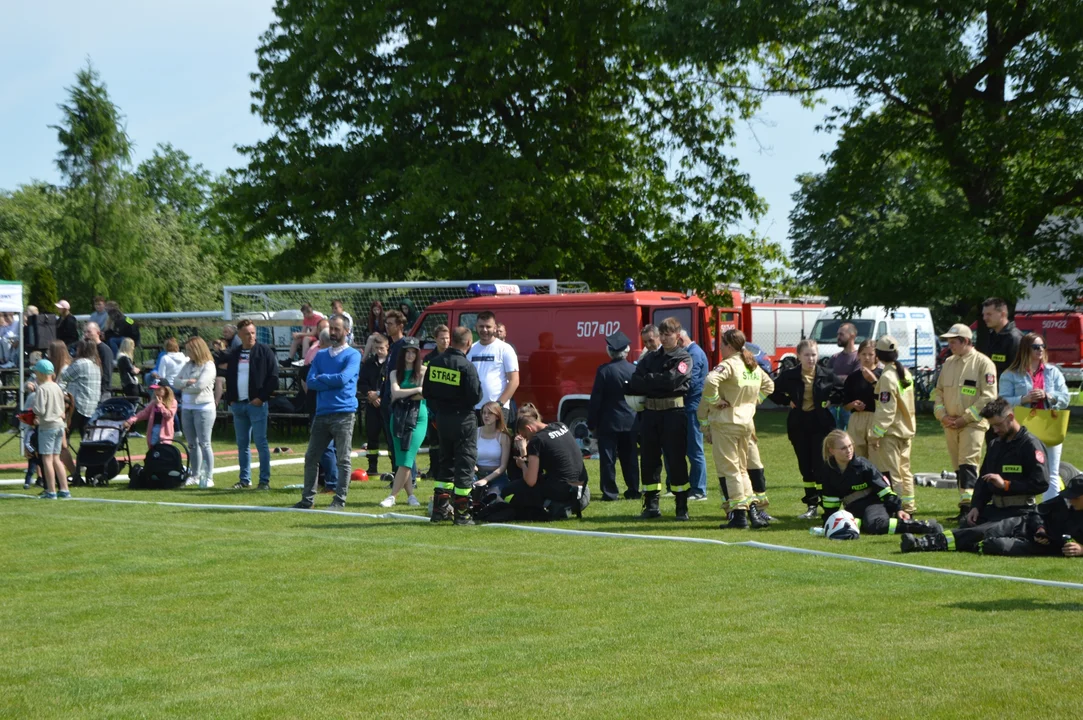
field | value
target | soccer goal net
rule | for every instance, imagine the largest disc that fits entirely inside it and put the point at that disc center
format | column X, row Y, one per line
column 362, row 300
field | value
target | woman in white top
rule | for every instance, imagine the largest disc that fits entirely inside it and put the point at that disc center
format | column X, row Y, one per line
column 494, row 448
column 195, row 380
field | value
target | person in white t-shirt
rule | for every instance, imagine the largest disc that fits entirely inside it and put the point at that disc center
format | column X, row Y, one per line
column 497, row 365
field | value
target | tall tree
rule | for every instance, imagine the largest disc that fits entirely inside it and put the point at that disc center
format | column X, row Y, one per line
column 961, row 151
column 42, row 291
column 101, row 251
column 467, row 138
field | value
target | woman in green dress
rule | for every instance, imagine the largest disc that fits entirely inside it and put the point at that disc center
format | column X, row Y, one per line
column 409, row 418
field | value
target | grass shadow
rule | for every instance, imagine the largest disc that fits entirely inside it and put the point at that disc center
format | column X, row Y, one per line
column 1014, row 605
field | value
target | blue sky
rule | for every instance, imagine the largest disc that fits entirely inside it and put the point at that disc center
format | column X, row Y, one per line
column 179, row 71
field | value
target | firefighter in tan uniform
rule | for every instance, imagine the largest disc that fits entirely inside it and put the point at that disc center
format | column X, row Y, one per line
column 728, row 409
column 968, row 382
column 894, row 423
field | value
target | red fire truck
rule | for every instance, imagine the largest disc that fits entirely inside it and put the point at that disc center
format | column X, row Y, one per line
column 560, row 339
column 1063, row 332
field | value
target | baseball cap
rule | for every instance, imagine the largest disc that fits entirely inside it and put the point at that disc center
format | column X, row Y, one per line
column 44, row 366
column 410, row 343
column 617, row 341
column 155, row 382
column 959, row 330
column 64, row 305
column 1074, row 488
column 886, row 343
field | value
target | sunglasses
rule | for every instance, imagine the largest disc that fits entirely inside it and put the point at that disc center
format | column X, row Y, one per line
column 1039, row 348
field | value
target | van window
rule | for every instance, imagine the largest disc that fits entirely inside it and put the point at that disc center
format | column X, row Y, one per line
column 428, row 326
column 827, row 330
column 881, row 329
column 683, row 315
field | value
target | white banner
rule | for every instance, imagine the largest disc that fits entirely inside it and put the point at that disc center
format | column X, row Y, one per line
column 11, row 296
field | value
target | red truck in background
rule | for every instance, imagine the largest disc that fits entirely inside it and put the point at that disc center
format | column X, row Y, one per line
column 560, row 339
column 1063, row 332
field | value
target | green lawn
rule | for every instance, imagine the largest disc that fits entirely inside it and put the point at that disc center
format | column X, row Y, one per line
column 155, row 611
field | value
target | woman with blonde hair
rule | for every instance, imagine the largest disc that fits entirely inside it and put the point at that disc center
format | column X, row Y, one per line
column 854, row 484
column 494, row 448
column 129, row 373
column 727, row 412
column 196, row 383
column 859, row 396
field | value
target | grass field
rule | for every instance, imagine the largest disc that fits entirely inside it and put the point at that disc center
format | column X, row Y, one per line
column 160, row 611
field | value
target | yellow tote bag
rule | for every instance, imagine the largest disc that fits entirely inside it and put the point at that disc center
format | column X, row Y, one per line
column 1049, row 426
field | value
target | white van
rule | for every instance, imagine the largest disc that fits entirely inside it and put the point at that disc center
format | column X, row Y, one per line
column 912, row 327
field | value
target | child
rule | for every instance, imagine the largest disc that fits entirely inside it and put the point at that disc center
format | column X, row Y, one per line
column 158, row 413
column 49, row 417
column 26, row 428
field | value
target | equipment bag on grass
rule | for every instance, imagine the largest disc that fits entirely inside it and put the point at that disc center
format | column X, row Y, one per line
column 1049, row 426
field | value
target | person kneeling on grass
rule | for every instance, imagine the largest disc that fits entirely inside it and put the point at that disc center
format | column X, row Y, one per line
column 1056, row 529
column 554, row 482
column 855, row 485
column 49, row 417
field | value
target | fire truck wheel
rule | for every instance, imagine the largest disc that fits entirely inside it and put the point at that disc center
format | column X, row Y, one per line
column 578, row 416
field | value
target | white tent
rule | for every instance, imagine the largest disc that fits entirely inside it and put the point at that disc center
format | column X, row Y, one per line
column 11, row 300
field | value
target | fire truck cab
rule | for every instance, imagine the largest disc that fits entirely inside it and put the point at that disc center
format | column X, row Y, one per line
column 560, row 339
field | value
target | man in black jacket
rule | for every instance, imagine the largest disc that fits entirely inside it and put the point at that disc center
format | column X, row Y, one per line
column 613, row 422
column 1002, row 342
column 67, row 329
column 452, row 389
column 372, row 373
column 1014, row 470
column 663, row 377
column 251, row 377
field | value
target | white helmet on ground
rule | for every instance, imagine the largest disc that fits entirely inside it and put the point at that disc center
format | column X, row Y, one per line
column 841, row 525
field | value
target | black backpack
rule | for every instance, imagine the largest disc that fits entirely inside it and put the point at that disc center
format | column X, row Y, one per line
column 165, row 469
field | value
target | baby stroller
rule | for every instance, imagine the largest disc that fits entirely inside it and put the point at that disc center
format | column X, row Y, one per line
column 104, row 436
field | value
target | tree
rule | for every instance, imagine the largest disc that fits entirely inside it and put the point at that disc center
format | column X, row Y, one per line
column 468, row 139
column 101, row 249
column 960, row 154
column 29, row 217
column 43, row 291
column 7, row 267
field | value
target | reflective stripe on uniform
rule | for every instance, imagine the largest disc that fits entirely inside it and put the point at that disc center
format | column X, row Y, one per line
column 443, row 485
column 462, row 491
column 976, row 414
column 951, row 538
column 810, row 484
column 652, row 488
column 966, row 494
column 680, row 488
column 879, row 431
column 885, row 492
column 891, row 525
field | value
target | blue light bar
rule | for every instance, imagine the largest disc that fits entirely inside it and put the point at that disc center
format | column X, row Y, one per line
column 486, row 289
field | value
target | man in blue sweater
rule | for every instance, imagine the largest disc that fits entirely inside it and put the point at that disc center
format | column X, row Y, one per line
column 333, row 377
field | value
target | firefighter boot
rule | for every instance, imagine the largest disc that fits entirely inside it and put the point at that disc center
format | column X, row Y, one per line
column 650, row 506
column 725, row 495
column 738, row 520
column 441, row 507
column 919, row 527
column 374, row 467
column 936, row 542
column 682, row 504
column 758, row 518
column 462, row 510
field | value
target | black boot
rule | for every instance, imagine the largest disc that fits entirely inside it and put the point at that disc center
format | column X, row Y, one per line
column 441, row 507
column 650, row 506
column 725, row 495
column 374, row 467
column 462, row 510
column 738, row 520
column 937, row 542
column 919, row 527
column 758, row 518
column 682, row 505
column 960, row 519
column 809, row 514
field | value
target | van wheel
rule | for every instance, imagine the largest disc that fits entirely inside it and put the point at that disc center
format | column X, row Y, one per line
column 578, row 416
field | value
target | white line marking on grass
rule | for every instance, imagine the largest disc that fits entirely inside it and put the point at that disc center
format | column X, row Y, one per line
column 591, row 533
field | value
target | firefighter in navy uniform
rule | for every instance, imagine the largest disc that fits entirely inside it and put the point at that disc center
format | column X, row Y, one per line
column 856, row 486
column 613, row 422
column 663, row 376
column 1014, row 471
column 452, row 389
column 1055, row 529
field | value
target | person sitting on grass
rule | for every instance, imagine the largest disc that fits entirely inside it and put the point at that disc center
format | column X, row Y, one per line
column 554, row 480
column 49, row 417
column 856, row 486
column 158, row 413
column 1055, row 529
column 494, row 449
